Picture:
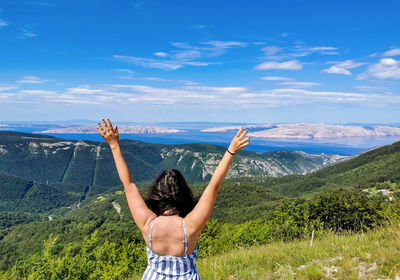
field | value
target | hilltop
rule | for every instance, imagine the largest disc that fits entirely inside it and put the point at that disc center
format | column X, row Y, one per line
column 256, row 209
column 372, row 255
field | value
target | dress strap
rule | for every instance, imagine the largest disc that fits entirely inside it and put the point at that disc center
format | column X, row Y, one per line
column 184, row 238
column 150, row 233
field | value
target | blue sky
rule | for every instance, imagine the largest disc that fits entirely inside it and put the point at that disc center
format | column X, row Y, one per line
column 228, row 61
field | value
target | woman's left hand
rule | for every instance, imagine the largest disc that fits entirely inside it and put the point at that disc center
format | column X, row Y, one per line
column 109, row 133
column 239, row 142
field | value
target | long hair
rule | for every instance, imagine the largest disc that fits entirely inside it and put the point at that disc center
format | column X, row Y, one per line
column 170, row 192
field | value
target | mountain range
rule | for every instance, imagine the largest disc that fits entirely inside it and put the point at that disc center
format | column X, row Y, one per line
column 39, row 172
column 91, row 129
column 311, row 131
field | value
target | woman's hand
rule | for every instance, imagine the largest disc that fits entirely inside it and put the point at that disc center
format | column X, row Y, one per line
column 198, row 217
column 109, row 133
column 139, row 210
column 239, row 142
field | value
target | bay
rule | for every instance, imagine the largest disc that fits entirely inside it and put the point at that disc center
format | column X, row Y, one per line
column 191, row 133
column 341, row 146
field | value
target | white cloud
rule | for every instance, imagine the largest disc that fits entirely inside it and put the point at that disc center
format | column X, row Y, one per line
column 299, row 50
column 225, row 44
column 287, row 65
column 130, row 76
column 27, row 33
column 199, row 96
column 389, row 62
column 300, row 84
column 198, row 26
column 271, row 50
column 336, row 70
column 184, row 55
column 161, row 54
column 336, row 96
column 83, row 90
column 392, row 52
column 275, row 78
column 44, row 4
column 3, row 23
column 371, row 88
column 6, row 88
column 38, row 92
column 221, row 90
column 31, row 80
column 296, row 50
column 342, row 67
column 322, row 49
column 187, row 55
column 217, row 48
column 349, row 64
column 154, row 79
column 128, row 72
column 386, row 68
column 153, row 63
column 40, row 96
column 282, row 97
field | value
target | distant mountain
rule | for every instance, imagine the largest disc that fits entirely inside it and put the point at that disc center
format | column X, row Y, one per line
column 236, row 127
column 310, row 131
column 91, row 129
column 86, row 168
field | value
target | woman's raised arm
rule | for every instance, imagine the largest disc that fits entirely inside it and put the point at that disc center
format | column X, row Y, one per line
column 199, row 216
column 139, row 210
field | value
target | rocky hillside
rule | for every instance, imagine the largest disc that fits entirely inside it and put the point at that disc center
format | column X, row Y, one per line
column 47, row 159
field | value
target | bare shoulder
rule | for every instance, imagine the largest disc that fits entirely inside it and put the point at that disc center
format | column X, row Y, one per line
column 192, row 230
column 146, row 228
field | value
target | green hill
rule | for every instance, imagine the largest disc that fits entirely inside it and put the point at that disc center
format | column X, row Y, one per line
column 97, row 242
column 94, row 237
column 372, row 255
column 18, row 194
column 248, row 207
column 376, row 168
column 53, row 172
column 87, row 163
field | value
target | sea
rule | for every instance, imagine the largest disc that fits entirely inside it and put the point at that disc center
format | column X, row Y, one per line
column 191, row 133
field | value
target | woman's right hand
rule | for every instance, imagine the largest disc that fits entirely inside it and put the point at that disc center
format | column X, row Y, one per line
column 239, row 142
column 109, row 133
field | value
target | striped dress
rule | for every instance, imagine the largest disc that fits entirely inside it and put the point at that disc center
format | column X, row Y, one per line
column 170, row 267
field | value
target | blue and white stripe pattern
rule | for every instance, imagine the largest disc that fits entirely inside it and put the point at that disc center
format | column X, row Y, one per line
column 171, row 267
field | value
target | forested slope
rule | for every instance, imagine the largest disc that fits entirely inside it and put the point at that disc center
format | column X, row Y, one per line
column 248, row 211
column 52, row 172
column 364, row 171
column 97, row 237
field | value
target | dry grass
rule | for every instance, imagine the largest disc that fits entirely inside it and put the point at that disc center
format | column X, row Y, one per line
column 373, row 255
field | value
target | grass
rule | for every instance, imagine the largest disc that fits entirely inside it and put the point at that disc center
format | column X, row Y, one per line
column 372, row 255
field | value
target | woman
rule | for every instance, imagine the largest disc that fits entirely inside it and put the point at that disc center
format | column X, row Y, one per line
column 170, row 221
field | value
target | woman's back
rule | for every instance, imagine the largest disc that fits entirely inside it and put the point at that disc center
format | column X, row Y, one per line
column 167, row 251
column 168, row 236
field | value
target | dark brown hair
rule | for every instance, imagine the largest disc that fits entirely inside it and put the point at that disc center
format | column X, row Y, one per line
column 170, row 192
